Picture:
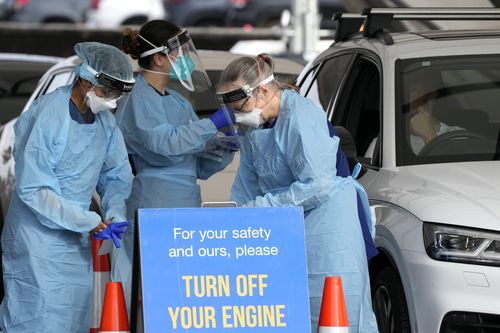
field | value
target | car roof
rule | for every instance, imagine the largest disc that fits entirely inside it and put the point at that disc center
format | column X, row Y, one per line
column 375, row 22
column 5, row 56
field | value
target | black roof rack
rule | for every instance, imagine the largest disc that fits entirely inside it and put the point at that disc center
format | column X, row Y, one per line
column 376, row 20
column 380, row 18
column 347, row 24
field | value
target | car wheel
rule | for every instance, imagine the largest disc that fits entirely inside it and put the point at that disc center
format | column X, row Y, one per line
column 389, row 302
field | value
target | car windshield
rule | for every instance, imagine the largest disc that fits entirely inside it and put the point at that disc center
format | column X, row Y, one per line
column 448, row 109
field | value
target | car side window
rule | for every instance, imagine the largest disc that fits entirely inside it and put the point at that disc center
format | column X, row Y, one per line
column 323, row 81
column 359, row 110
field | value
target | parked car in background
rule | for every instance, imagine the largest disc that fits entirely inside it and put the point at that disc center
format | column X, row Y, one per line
column 191, row 13
column 49, row 11
column 19, row 74
column 115, row 13
column 437, row 209
column 266, row 13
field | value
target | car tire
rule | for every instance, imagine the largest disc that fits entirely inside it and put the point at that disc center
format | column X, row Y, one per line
column 389, row 302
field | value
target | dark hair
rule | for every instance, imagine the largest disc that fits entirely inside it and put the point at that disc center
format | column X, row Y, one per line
column 157, row 32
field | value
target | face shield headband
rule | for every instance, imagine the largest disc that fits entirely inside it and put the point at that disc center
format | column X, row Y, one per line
column 241, row 93
column 112, row 82
column 171, row 45
column 186, row 66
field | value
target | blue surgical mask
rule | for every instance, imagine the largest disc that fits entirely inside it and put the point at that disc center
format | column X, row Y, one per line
column 184, row 65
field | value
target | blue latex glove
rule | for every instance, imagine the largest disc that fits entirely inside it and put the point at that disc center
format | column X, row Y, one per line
column 114, row 231
column 222, row 118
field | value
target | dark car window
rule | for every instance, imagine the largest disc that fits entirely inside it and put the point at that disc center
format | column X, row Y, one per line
column 18, row 79
column 358, row 109
column 326, row 79
column 447, row 109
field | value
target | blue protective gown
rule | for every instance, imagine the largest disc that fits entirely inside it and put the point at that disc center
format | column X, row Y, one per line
column 164, row 137
column 47, row 261
column 293, row 164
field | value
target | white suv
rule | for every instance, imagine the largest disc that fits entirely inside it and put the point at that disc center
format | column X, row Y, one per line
column 423, row 110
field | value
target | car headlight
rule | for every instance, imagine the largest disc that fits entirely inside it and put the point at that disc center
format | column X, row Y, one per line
column 459, row 244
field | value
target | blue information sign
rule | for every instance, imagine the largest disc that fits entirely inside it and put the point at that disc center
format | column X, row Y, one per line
column 223, row 270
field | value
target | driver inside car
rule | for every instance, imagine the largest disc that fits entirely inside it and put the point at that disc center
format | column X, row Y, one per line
column 424, row 126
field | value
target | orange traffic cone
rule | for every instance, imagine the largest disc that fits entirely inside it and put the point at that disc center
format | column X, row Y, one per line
column 114, row 311
column 333, row 315
column 101, row 267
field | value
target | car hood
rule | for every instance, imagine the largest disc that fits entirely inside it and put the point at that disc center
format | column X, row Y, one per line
column 466, row 194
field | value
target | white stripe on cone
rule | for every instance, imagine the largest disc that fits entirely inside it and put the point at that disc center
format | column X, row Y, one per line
column 323, row 329
column 100, row 280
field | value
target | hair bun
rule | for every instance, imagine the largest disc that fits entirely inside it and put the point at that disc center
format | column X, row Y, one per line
column 263, row 56
column 130, row 43
column 267, row 59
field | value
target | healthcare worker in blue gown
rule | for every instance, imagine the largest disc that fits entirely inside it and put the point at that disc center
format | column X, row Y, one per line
column 164, row 137
column 67, row 145
column 288, row 159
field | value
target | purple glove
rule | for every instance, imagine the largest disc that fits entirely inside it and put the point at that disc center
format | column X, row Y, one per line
column 222, row 118
column 114, row 231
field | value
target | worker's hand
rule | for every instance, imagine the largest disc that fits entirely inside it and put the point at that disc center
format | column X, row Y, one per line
column 222, row 118
column 100, row 227
column 113, row 231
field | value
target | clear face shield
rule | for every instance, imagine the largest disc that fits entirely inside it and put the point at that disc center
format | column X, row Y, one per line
column 186, row 65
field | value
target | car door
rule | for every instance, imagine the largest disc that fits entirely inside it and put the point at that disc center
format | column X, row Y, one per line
column 358, row 108
column 347, row 86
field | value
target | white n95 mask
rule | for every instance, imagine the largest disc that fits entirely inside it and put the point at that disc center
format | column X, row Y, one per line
column 98, row 104
column 252, row 118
